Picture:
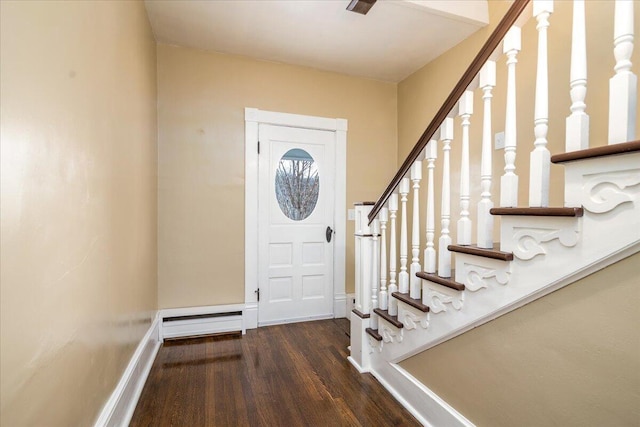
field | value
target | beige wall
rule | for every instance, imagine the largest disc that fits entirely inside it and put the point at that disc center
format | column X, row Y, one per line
column 569, row 359
column 78, row 229
column 202, row 96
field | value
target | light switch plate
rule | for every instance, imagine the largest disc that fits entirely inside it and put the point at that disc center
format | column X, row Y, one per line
column 499, row 141
column 351, row 214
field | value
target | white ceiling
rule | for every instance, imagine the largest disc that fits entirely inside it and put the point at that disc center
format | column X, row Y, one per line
column 396, row 37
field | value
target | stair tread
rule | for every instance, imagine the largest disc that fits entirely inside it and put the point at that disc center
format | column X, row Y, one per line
column 374, row 333
column 413, row 302
column 361, row 314
column 568, row 212
column 444, row 281
column 590, row 153
column 389, row 318
column 494, row 253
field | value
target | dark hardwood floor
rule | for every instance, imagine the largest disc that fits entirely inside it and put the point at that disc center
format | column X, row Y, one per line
column 286, row 375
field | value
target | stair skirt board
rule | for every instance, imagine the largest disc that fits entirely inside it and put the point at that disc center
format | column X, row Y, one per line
column 198, row 321
column 426, row 406
column 120, row 406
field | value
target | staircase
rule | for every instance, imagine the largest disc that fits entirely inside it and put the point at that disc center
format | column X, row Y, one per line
column 454, row 287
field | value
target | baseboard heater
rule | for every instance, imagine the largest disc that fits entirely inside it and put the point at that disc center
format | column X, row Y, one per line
column 200, row 321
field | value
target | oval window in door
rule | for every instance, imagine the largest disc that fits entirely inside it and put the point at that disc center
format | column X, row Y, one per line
column 297, row 184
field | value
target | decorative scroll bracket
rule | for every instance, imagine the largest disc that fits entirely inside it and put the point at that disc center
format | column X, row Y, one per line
column 605, row 192
column 530, row 242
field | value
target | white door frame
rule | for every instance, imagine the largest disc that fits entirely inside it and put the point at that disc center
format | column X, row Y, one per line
column 253, row 117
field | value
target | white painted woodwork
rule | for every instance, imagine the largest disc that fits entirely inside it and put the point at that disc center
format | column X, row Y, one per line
column 509, row 181
column 403, row 277
column 383, row 299
column 121, row 404
column 577, row 125
column 465, row 110
column 540, row 158
column 253, row 118
column 485, row 219
column 228, row 318
column 549, row 252
column 415, row 281
column 431, row 153
column 623, row 86
column 363, row 259
column 375, row 271
column 393, row 287
column 295, row 261
column 444, row 255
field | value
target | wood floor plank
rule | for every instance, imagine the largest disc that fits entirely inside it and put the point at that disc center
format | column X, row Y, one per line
column 284, row 375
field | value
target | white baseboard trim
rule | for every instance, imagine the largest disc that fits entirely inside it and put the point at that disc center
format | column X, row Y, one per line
column 122, row 403
column 426, row 406
column 340, row 306
column 251, row 315
column 356, row 365
column 296, row 320
column 204, row 320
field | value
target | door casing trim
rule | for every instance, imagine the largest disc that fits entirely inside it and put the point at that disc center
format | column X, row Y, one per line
column 253, row 117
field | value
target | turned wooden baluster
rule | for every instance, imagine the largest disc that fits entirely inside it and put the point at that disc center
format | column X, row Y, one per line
column 416, row 283
column 577, row 125
column 384, row 297
column 465, row 110
column 540, row 159
column 624, row 84
column 375, row 271
column 509, row 181
column 403, row 277
column 485, row 219
column 444, row 256
column 393, row 287
column 431, row 153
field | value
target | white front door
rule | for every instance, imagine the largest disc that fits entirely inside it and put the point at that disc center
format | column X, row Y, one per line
column 295, row 207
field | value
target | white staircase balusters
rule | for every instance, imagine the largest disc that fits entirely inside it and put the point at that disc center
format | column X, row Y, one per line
column 403, row 277
column 415, row 282
column 623, row 85
column 485, row 219
column 444, row 255
column 375, row 271
column 431, row 153
column 509, row 181
column 540, row 159
column 383, row 301
column 465, row 110
column 393, row 287
column 577, row 125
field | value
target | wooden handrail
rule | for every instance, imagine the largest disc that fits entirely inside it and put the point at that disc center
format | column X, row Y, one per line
column 474, row 68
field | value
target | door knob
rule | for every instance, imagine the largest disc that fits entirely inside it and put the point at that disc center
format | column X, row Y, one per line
column 328, row 234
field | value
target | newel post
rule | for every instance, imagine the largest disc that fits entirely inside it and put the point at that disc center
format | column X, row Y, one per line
column 363, row 258
column 360, row 316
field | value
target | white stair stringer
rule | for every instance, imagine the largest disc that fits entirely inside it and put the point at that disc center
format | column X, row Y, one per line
column 549, row 253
